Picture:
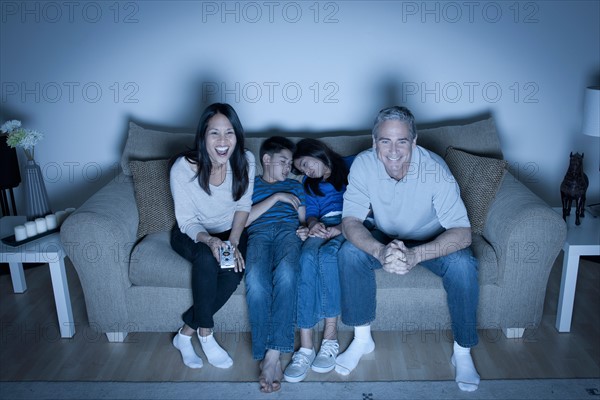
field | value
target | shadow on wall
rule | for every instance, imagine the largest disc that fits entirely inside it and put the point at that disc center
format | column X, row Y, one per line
column 388, row 90
column 189, row 116
column 79, row 192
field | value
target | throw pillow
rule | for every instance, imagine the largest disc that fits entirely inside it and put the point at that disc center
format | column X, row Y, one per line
column 153, row 196
column 478, row 179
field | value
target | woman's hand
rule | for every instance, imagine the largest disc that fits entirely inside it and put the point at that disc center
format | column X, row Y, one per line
column 240, row 264
column 215, row 244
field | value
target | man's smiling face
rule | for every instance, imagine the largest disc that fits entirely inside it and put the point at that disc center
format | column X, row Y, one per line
column 394, row 145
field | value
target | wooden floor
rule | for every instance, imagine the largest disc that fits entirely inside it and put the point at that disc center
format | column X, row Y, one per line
column 31, row 347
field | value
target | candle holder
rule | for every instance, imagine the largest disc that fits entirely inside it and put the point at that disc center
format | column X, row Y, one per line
column 35, row 192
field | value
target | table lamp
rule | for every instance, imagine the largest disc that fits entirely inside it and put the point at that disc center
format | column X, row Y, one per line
column 591, row 123
column 591, row 111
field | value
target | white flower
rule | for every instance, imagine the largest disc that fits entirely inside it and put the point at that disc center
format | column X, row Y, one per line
column 10, row 126
column 21, row 137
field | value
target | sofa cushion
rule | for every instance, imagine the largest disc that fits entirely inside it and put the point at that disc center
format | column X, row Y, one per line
column 155, row 263
column 149, row 144
column 478, row 179
column 153, row 196
column 477, row 138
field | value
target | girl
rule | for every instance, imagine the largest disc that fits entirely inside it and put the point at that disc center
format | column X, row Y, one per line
column 326, row 177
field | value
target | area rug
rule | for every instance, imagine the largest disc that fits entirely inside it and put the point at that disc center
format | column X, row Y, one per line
column 547, row 389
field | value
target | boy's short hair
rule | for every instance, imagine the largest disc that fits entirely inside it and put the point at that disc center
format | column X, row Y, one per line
column 274, row 145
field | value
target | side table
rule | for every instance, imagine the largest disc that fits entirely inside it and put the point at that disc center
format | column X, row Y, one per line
column 582, row 240
column 47, row 250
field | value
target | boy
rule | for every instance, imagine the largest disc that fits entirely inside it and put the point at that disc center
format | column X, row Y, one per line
column 276, row 231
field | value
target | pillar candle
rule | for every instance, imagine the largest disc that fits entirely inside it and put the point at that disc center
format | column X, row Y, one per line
column 51, row 222
column 60, row 217
column 30, row 228
column 20, row 233
column 40, row 224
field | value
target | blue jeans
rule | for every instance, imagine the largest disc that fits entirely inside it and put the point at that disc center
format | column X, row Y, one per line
column 318, row 281
column 272, row 265
column 458, row 271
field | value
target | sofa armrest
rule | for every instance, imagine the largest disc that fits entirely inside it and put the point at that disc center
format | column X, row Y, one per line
column 527, row 235
column 98, row 238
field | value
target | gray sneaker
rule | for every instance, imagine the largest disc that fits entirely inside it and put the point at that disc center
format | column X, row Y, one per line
column 297, row 369
column 325, row 360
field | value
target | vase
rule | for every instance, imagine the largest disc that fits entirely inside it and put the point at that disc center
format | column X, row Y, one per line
column 36, row 197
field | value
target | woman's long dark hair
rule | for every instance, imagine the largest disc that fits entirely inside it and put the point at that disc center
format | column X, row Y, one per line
column 199, row 156
column 319, row 150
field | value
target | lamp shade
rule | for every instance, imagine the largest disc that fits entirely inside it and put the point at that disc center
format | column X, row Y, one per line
column 9, row 165
column 591, row 111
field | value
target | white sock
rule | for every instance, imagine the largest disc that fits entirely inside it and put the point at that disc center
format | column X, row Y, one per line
column 466, row 374
column 183, row 343
column 361, row 344
column 215, row 353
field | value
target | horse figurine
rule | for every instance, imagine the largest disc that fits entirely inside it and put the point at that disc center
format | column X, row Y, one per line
column 573, row 187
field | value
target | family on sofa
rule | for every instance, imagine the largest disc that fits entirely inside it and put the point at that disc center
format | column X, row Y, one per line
column 305, row 249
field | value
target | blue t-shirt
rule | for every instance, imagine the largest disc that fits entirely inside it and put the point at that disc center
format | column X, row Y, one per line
column 332, row 200
column 281, row 212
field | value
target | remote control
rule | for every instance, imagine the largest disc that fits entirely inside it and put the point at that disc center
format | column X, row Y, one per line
column 227, row 256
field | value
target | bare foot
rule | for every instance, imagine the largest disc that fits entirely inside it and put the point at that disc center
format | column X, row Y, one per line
column 271, row 373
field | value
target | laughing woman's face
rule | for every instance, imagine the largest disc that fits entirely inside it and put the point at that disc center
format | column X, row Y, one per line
column 220, row 139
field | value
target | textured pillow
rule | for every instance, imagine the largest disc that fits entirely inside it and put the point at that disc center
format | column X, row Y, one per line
column 153, row 196
column 476, row 138
column 478, row 179
column 148, row 144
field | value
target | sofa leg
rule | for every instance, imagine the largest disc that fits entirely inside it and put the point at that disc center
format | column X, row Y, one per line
column 513, row 333
column 116, row 337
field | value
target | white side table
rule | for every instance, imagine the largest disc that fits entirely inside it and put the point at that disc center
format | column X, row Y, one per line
column 582, row 240
column 47, row 250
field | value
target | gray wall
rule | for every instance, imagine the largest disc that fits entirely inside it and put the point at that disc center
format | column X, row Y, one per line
column 79, row 71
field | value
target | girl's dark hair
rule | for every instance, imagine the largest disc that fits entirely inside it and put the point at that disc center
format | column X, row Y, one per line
column 319, row 150
column 199, row 156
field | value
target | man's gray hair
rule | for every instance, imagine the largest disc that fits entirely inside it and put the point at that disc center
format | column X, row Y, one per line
column 396, row 113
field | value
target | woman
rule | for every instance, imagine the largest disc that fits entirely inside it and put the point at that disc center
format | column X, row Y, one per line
column 326, row 177
column 212, row 190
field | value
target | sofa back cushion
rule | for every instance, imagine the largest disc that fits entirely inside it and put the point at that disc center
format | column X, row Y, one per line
column 479, row 179
column 148, row 144
column 478, row 138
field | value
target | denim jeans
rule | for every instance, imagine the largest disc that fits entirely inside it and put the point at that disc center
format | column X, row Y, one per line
column 211, row 285
column 458, row 271
column 318, row 281
column 271, row 285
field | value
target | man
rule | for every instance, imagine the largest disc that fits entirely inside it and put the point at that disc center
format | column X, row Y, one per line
column 420, row 219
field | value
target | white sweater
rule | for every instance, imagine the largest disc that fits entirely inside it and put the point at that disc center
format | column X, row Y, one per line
column 196, row 211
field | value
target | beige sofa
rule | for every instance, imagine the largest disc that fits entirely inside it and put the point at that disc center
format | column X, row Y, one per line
column 136, row 284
